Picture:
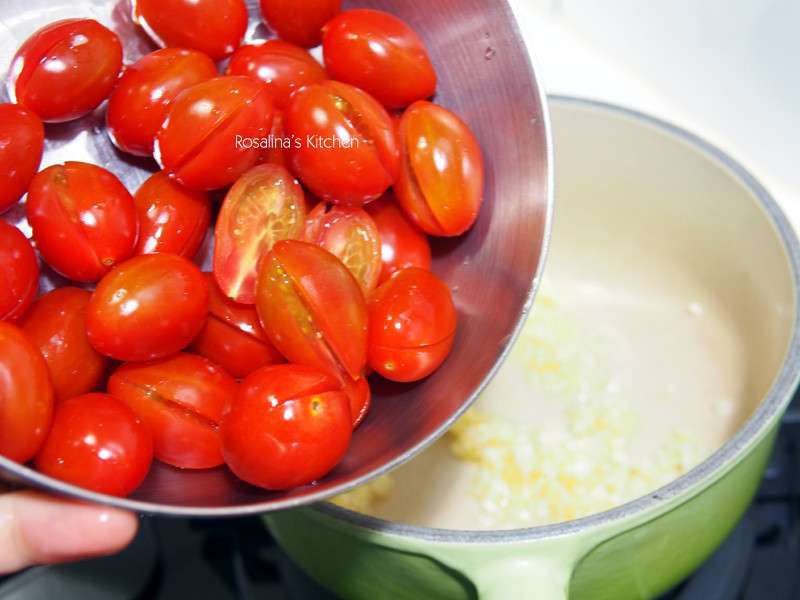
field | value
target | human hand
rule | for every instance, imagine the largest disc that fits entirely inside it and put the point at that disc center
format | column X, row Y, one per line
column 39, row 529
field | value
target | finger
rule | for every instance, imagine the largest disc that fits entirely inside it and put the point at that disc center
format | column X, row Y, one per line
column 38, row 529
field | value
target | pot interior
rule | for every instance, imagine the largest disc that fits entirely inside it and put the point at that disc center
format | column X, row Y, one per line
column 665, row 315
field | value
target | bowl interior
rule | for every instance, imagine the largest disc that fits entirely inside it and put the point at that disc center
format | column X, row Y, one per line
column 485, row 76
column 686, row 265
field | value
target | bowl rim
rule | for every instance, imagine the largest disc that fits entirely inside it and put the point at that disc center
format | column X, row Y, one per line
column 19, row 475
column 775, row 401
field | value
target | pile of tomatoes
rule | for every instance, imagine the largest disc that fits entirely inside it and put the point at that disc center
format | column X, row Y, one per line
column 321, row 263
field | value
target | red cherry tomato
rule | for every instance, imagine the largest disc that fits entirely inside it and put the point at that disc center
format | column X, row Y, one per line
column 380, row 54
column 56, row 324
column 21, row 144
column 402, row 244
column 233, row 337
column 181, row 400
column 440, row 186
column 347, row 151
column 65, row 69
column 360, row 397
column 288, row 426
column 215, row 27
column 275, row 152
column 172, row 219
column 83, row 219
column 206, row 139
column 299, row 21
column 98, row 443
column 264, row 206
column 148, row 307
column 283, row 67
column 314, row 313
column 26, row 395
column 19, row 273
column 351, row 235
column 412, row 323
column 312, row 308
column 140, row 101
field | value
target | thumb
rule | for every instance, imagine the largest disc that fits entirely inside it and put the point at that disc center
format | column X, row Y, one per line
column 37, row 529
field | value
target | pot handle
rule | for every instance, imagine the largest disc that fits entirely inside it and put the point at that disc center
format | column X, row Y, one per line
column 523, row 579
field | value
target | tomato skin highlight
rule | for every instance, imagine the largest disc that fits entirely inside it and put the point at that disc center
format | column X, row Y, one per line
column 83, row 219
column 140, row 100
column 215, row 27
column 352, row 156
column 181, row 400
column 263, row 207
column 65, row 69
column 299, row 21
column 149, row 307
column 21, row 145
column 172, row 218
column 412, row 324
column 202, row 140
column 233, row 337
column 19, row 273
column 440, row 186
column 281, row 66
column 288, row 426
column 379, row 53
column 402, row 244
column 26, row 395
column 98, row 443
column 312, row 308
column 56, row 324
column 349, row 234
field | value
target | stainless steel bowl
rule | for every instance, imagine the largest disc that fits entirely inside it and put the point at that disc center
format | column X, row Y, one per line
column 485, row 75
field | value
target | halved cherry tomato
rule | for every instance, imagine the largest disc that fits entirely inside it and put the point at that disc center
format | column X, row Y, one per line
column 148, row 307
column 172, row 219
column 21, row 144
column 347, row 151
column 288, row 426
column 56, row 324
column 312, row 308
column 19, row 273
column 233, row 337
column 402, row 244
column 140, row 100
column 412, row 323
column 83, row 219
column 65, row 69
column 314, row 313
column 181, row 400
column 351, row 235
column 282, row 66
column 380, row 54
column 98, row 443
column 206, row 140
column 215, row 27
column 264, row 206
column 299, row 21
column 440, row 186
column 26, row 395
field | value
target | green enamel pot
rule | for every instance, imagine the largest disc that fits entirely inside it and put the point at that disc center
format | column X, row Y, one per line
column 621, row 177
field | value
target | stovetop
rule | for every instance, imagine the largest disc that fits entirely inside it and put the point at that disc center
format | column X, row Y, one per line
column 238, row 560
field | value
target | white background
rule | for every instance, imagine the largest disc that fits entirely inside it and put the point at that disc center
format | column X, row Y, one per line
column 728, row 70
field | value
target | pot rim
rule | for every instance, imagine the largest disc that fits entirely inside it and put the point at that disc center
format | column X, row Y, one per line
column 773, row 404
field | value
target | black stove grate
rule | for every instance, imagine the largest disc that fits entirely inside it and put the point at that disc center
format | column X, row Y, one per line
column 237, row 559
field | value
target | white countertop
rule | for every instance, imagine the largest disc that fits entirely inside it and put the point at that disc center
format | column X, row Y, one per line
column 724, row 69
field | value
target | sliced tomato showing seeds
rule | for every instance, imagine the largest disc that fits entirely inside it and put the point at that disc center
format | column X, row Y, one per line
column 264, row 206
column 351, row 235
